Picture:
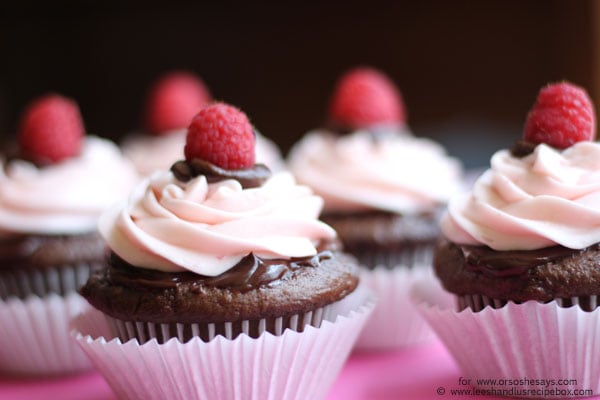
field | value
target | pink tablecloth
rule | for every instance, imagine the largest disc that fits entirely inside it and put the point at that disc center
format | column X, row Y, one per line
column 413, row 374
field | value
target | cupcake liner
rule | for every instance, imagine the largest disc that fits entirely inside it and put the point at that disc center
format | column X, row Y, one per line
column 395, row 322
column 518, row 345
column 478, row 302
column 35, row 335
column 145, row 331
column 60, row 280
column 294, row 365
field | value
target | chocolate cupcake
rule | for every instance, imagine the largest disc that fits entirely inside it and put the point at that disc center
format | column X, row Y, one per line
column 216, row 254
column 520, row 255
column 53, row 188
column 384, row 190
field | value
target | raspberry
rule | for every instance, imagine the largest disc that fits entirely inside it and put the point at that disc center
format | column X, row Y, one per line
column 173, row 101
column 562, row 115
column 364, row 97
column 51, row 130
column 221, row 134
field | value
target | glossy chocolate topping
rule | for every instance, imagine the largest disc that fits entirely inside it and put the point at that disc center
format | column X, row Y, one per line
column 541, row 275
column 250, row 273
column 508, row 263
column 185, row 170
column 522, row 148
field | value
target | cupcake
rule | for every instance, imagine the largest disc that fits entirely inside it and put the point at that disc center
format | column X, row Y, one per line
column 520, row 257
column 216, row 262
column 171, row 103
column 52, row 191
column 384, row 189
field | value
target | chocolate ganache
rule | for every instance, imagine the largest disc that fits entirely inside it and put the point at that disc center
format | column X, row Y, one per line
column 252, row 272
column 541, row 275
column 249, row 178
column 509, row 263
column 522, row 148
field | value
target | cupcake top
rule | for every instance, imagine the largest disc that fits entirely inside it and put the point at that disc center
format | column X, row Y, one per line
column 545, row 191
column 215, row 207
column 171, row 103
column 61, row 181
column 377, row 164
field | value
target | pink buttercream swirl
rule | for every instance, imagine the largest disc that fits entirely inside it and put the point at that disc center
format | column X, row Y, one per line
column 64, row 198
column 207, row 228
column 391, row 171
column 547, row 198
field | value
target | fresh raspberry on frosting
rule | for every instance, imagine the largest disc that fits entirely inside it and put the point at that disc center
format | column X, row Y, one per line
column 222, row 135
column 364, row 97
column 51, row 130
column 562, row 115
column 173, row 101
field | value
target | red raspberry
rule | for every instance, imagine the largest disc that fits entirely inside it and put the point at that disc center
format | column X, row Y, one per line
column 173, row 101
column 221, row 134
column 51, row 130
column 562, row 115
column 364, row 97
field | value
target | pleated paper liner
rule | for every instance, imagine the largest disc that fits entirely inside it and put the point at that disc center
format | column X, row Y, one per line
column 395, row 323
column 35, row 336
column 35, row 310
column 145, row 331
column 477, row 302
column 40, row 282
column 293, row 365
column 515, row 341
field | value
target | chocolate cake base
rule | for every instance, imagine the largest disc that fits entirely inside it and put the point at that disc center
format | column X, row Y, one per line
column 378, row 238
column 481, row 277
column 254, row 296
column 40, row 265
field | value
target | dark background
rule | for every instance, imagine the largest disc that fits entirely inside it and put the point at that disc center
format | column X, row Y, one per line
column 468, row 70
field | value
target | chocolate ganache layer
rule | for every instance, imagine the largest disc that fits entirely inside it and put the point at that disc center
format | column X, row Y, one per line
column 185, row 170
column 255, row 288
column 541, row 275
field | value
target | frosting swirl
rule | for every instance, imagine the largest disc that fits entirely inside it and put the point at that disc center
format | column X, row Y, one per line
column 63, row 198
column 207, row 228
column 390, row 171
column 546, row 198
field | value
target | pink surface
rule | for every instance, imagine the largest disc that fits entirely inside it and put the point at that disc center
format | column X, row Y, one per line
column 411, row 374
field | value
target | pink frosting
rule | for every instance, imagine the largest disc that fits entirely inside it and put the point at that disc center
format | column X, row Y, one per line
column 64, row 198
column 157, row 153
column 208, row 228
column 544, row 199
column 395, row 172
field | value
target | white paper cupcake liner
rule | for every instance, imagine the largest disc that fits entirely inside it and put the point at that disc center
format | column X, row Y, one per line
column 395, row 322
column 145, row 331
column 60, row 280
column 478, row 302
column 294, row 365
column 529, row 340
column 35, row 336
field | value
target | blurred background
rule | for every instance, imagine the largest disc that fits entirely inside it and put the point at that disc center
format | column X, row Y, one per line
column 468, row 70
